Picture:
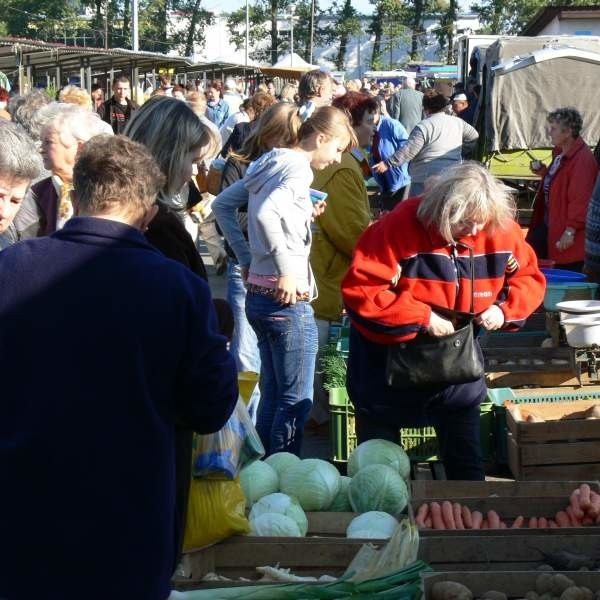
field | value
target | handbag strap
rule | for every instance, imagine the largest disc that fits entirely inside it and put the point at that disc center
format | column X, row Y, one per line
column 472, row 261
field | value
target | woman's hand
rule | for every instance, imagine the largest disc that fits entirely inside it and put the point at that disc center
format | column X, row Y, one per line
column 566, row 240
column 380, row 167
column 318, row 209
column 491, row 318
column 286, row 289
column 439, row 326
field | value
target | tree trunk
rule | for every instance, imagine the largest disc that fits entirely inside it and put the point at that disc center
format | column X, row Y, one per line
column 274, row 34
column 377, row 29
column 189, row 43
column 127, row 42
column 417, row 29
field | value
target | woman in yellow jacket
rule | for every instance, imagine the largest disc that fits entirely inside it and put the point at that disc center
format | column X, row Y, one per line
column 337, row 230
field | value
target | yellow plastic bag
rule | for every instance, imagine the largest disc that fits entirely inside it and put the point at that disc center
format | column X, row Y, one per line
column 216, row 510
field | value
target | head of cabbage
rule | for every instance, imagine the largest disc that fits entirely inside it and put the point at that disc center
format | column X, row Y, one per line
column 379, row 452
column 274, row 525
column 313, row 482
column 373, row 524
column 341, row 503
column 257, row 480
column 378, row 487
column 283, row 505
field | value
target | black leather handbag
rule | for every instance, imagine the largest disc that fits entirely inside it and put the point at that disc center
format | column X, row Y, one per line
column 429, row 361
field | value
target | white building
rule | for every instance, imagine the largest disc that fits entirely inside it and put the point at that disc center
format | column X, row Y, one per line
column 564, row 20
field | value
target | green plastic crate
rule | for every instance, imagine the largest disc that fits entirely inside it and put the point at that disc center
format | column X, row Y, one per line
column 498, row 396
column 419, row 443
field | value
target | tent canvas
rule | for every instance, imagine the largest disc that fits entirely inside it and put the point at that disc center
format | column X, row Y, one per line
column 518, row 102
column 291, row 66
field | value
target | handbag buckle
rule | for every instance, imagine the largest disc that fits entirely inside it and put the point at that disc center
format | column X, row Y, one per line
column 456, row 343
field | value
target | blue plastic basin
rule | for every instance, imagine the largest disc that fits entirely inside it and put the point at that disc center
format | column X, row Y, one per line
column 562, row 275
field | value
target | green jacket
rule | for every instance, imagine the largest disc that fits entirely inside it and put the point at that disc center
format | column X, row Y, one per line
column 347, row 215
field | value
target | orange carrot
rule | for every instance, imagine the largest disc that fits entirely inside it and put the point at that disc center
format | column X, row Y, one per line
column 477, row 519
column 457, row 509
column 493, row 519
column 421, row 515
column 576, row 504
column 518, row 523
column 533, row 523
column 436, row 516
column 594, row 509
column 466, row 517
column 448, row 515
column 542, row 523
column 552, row 524
column 585, row 495
column 562, row 519
column 575, row 522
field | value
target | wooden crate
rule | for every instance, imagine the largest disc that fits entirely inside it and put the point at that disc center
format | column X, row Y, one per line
column 325, row 551
column 564, row 446
column 515, row 584
column 509, row 499
column 522, row 552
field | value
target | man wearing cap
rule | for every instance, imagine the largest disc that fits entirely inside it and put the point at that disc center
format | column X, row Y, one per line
column 462, row 108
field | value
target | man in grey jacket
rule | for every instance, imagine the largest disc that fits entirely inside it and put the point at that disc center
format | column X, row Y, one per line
column 406, row 105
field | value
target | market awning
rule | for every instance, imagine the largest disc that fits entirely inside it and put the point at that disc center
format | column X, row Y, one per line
column 290, row 66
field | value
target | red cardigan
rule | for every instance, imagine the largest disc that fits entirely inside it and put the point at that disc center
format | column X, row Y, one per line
column 570, row 193
column 388, row 308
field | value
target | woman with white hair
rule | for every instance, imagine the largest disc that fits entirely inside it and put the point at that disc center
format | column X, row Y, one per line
column 450, row 263
column 65, row 128
column 19, row 164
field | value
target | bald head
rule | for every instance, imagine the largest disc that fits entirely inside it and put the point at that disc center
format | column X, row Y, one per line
column 410, row 83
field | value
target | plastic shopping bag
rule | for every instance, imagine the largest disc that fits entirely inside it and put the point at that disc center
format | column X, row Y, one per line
column 215, row 511
column 223, row 454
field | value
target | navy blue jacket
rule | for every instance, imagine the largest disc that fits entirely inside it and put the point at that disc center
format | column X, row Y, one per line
column 105, row 344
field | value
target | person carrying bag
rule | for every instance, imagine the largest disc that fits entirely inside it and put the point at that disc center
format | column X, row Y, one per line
column 423, row 280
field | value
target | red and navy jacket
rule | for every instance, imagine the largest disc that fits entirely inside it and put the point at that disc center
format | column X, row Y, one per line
column 401, row 271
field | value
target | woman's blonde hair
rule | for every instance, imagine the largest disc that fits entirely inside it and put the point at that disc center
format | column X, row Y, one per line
column 330, row 122
column 465, row 194
column 170, row 130
column 277, row 127
column 71, row 94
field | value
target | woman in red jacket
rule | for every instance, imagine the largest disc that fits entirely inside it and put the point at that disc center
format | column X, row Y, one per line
column 557, row 227
column 415, row 273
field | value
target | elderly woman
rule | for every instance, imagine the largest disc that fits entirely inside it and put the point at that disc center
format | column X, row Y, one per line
column 20, row 163
column 428, row 267
column 66, row 127
column 434, row 144
column 557, row 228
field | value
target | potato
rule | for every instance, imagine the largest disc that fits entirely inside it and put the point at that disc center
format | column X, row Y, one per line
column 543, row 583
column 593, row 413
column 494, row 595
column 572, row 593
column 560, row 583
column 451, row 590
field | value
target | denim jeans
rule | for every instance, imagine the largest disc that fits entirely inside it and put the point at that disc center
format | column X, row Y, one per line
column 244, row 345
column 287, row 340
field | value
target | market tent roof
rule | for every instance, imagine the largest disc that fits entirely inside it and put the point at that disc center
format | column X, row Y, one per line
column 528, row 77
column 290, row 66
column 15, row 52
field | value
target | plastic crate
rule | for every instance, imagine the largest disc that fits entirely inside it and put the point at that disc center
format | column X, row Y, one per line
column 419, row 443
column 498, row 396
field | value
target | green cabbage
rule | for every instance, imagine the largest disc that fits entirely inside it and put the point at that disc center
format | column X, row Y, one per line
column 373, row 524
column 274, row 525
column 281, row 461
column 258, row 480
column 282, row 504
column 379, row 452
column 378, row 487
column 341, row 503
column 313, row 482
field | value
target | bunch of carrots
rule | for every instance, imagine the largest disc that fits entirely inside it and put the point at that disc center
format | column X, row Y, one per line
column 583, row 510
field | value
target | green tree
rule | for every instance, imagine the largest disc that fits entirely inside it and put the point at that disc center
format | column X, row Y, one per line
column 347, row 25
column 387, row 23
column 37, row 19
column 445, row 32
column 197, row 20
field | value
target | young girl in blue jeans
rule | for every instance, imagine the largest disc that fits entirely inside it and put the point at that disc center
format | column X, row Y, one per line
column 280, row 281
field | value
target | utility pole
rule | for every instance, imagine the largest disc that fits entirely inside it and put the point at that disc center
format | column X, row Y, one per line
column 312, row 29
column 247, row 33
column 106, row 25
